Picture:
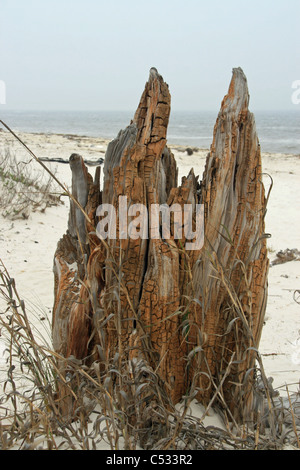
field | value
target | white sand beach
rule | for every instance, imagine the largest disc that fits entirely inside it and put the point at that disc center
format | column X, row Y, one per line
column 27, row 246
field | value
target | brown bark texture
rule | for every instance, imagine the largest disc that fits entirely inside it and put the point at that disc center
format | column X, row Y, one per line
column 195, row 316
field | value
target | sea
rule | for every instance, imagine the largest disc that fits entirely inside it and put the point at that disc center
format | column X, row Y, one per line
column 278, row 131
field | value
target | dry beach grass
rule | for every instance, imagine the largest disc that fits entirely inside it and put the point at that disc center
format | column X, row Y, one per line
column 113, row 417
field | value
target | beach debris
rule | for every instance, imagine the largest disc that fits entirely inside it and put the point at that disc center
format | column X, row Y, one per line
column 97, row 162
column 284, row 256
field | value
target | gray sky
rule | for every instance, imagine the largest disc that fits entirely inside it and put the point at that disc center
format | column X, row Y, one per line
column 96, row 54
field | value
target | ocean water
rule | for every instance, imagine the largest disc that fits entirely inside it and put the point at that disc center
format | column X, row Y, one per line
column 278, row 132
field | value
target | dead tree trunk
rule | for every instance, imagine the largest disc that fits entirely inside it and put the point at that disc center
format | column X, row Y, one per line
column 230, row 276
column 195, row 316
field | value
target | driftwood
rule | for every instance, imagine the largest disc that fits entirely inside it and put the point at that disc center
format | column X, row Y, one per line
column 97, row 162
column 286, row 256
column 195, row 316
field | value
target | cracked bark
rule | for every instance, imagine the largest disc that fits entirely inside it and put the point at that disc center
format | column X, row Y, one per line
column 234, row 256
column 189, row 314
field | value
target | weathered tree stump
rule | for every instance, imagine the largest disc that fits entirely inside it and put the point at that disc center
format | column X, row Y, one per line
column 194, row 315
column 230, row 276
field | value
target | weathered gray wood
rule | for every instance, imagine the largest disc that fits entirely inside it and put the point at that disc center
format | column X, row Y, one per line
column 71, row 258
column 230, row 278
column 196, row 316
